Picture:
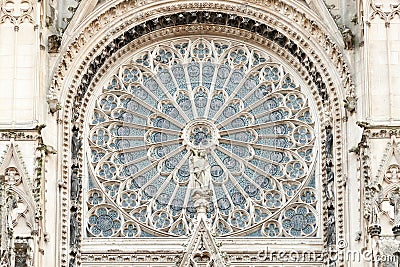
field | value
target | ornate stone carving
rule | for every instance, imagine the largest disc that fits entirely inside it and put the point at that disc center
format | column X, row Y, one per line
column 331, row 228
column 323, row 41
column 16, row 11
column 376, row 202
column 73, row 230
column 178, row 113
column 350, row 103
column 75, row 184
column 375, row 230
column 19, row 135
column 395, row 202
column 140, row 256
column 329, row 143
column 348, row 37
column 72, row 262
column 54, row 43
column 202, row 249
column 21, row 250
column 384, row 12
column 200, row 169
column 21, row 218
column 203, row 17
column 98, row 25
column 392, row 174
column 330, row 195
column 76, row 144
column 382, row 132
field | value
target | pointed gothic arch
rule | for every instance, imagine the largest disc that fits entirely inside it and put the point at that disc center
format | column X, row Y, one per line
column 319, row 66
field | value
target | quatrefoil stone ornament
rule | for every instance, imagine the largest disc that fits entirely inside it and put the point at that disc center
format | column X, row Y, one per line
column 392, row 173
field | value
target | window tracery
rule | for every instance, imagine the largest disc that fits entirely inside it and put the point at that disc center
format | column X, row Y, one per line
column 230, row 100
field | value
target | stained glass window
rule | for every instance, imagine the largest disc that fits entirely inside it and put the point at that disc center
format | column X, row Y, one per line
column 231, row 100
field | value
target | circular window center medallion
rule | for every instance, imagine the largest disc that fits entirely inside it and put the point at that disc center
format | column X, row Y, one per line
column 200, row 134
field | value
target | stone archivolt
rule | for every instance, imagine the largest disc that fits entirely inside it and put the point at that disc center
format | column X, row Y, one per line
column 119, row 10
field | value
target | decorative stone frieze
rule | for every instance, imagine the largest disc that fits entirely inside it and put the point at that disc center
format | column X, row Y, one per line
column 386, row 12
column 19, row 135
column 155, row 257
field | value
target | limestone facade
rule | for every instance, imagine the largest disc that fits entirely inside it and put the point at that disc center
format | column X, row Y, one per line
column 199, row 133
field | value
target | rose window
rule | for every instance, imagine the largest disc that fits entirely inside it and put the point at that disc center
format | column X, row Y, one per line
column 232, row 102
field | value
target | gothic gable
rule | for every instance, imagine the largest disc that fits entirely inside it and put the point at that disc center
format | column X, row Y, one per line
column 202, row 249
column 18, row 218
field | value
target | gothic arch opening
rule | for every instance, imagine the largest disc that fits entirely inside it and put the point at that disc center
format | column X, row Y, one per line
column 245, row 102
column 202, row 118
column 175, row 99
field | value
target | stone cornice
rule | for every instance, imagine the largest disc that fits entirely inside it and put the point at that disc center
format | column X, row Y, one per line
column 381, row 131
column 19, row 135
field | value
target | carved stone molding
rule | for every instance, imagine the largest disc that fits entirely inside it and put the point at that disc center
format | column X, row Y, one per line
column 384, row 132
column 19, row 135
column 24, row 209
column 137, row 257
column 16, row 11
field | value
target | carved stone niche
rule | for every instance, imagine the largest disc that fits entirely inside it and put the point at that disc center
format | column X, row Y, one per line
column 202, row 259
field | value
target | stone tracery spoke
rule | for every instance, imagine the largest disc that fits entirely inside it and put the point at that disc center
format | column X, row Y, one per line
column 233, row 179
column 184, row 96
column 139, row 127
